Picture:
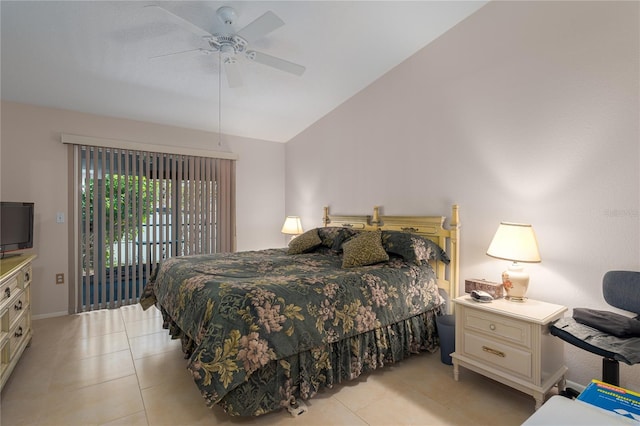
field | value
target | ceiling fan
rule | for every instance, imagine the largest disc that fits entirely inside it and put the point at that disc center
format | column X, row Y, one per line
column 232, row 45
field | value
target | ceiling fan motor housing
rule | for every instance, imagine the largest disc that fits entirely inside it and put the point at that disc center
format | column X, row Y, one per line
column 227, row 42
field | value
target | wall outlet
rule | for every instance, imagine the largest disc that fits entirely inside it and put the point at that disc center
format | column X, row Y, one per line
column 59, row 278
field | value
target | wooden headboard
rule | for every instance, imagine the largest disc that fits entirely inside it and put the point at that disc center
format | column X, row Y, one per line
column 431, row 227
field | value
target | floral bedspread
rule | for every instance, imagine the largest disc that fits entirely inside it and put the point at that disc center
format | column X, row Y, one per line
column 244, row 310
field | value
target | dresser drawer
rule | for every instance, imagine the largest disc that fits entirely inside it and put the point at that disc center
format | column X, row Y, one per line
column 4, row 356
column 500, row 355
column 27, row 274
column 8, row 289
column 509, row 329
column 17, row 306
column 17, row 334
column 4, row 326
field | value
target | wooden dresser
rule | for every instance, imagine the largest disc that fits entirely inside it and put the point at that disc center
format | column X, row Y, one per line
column 15, row 311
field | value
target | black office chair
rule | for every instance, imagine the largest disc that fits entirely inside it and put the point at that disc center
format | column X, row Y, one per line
column 614, row 337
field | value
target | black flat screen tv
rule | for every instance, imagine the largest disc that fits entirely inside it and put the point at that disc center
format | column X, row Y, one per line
column 16, row 226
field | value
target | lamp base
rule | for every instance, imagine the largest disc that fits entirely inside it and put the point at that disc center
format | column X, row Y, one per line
column 516, row 283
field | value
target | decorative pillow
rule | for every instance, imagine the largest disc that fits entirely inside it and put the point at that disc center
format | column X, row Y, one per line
column 364, row 249
column 328, row 235
column 305, row 242
column 345, row 235
column 412, row 247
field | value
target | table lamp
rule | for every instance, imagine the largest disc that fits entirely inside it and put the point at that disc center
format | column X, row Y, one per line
column 292, row 226
column 515, row 242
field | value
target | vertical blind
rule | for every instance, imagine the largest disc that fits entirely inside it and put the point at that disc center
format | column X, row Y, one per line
column 136, row 208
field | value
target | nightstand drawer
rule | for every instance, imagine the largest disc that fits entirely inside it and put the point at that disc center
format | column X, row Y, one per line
column 505, row 328
column 502, row 356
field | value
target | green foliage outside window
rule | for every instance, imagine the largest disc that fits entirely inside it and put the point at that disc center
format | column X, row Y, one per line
column 125, row 199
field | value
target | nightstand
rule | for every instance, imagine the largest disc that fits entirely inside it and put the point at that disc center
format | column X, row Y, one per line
column 510, row 342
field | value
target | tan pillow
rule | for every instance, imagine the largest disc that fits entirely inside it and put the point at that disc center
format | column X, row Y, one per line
column 364, row 249
column 305, row 242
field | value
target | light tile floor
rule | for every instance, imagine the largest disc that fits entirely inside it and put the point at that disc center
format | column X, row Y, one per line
column 120, row 367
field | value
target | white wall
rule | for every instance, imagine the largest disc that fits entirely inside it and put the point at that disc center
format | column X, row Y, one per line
column 526, row 112
column 260, row 190
column 33, row 167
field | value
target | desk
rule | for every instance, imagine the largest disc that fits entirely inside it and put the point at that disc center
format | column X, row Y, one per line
column 559, row 410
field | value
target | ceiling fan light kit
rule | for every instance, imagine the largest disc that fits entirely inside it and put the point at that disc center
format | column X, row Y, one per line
column 227, row 15
column 231, row 44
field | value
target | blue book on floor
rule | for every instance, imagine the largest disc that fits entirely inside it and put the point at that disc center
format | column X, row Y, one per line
column 612, row 398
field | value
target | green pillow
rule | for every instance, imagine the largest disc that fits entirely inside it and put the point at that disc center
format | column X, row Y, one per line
column 328, row 234
column 364, row 249
column 412, row 247
column 345, row 235
column 305, row 242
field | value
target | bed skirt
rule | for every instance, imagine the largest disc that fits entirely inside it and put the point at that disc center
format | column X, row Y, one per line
column 299, row 377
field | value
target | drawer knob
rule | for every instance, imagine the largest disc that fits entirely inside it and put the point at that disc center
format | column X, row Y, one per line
column 492, row 327
column 7, row 292
column 18, row 306
column 493, row 351
column 18, row 333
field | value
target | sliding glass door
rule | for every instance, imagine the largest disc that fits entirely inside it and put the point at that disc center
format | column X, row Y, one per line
column 137, row 208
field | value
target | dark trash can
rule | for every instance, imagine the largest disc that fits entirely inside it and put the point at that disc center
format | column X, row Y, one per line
column 446, row 325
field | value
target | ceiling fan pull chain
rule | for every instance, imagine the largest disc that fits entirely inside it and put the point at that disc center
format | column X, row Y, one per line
column 219, row 98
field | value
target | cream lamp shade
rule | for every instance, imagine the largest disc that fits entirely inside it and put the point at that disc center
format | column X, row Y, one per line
column 515, row 242
column 292, row 226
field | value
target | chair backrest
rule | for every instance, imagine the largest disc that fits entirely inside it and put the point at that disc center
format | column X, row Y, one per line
column 622, row 290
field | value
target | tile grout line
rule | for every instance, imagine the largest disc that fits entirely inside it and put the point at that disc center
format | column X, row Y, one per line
column 135, row 368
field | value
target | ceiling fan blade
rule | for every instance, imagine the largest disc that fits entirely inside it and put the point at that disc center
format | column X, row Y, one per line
column 260, row 27
column 231, row 69
column 184, row 52
column 274, row 62
column 189, row 26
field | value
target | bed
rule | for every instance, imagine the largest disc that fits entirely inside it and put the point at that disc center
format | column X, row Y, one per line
column 267, row 330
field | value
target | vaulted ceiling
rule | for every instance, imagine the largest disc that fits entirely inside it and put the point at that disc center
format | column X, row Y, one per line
column 94, row 57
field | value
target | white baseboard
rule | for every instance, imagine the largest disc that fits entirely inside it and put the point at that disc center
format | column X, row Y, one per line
column 51, row 315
